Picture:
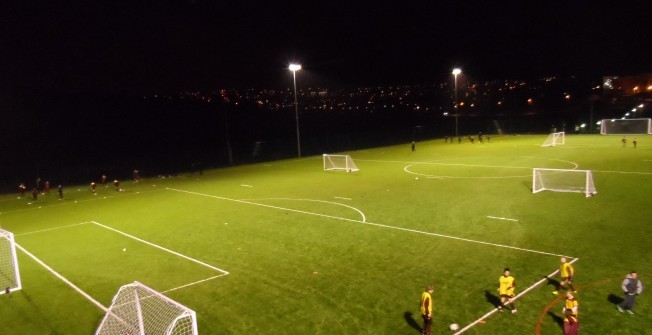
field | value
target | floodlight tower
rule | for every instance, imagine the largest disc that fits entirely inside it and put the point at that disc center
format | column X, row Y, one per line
column 456, row 71
column 294, row 68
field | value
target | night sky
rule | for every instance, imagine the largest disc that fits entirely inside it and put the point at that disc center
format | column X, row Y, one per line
column 154, row 46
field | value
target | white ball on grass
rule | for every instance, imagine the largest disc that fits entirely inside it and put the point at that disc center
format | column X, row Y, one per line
column 454, row 327
column 124, row 249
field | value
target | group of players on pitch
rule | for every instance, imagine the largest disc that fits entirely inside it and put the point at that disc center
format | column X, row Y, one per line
column 507, row 285
column 506, row 291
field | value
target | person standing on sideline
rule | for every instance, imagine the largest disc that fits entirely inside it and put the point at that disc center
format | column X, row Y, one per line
column 116, row 185
column 506, row 287
column 21, row 189
column 632, row 287
column 34, row 194
column 571, row 326
column 567, row 272
column 46, row 187
column 425, row 304
column 93, row 185
column 414, row 146
column 624, row 141
column 60, row 190
column 634, row 142
column 104, row 180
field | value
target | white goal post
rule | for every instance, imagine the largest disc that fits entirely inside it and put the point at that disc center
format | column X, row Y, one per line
column 562, row 180
column 554, row 139
column 139, row 310
column 625, row 126
column 9, row 272
column 339, row 162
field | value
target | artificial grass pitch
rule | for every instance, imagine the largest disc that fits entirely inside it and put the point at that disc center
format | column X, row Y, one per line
column 309, row 251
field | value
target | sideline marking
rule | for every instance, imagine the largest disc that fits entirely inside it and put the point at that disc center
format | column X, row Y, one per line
column 342, row 198
column 406, row 169
column 499, row 218
column 245, row 185
column 56, row 274
column 364, row 218
column 370, row 223
column 495, row 310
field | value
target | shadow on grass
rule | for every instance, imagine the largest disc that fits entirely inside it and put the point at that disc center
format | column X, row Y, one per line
column 558, row 319
column 492, row 298
column 552, row 282
column 614, row 299
column 411, row 321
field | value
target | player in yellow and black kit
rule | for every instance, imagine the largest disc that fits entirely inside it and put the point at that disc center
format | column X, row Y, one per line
column 506, row 287
column 425, row 305
column 567, row 273
column 570, row 310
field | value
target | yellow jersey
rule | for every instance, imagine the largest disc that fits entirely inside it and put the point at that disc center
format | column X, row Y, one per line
column 566, row 270
column 507, row 285
column 426, row 304
column 573, row 306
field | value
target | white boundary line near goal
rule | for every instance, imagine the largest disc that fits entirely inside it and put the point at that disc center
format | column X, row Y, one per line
column 369, row 223
column 90, row 298
column 493, row 311
column 66, row 281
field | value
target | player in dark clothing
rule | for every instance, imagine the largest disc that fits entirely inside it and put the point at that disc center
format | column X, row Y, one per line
column 21, row 189
column 34, row 194
column 116, row 184
column 60, row 190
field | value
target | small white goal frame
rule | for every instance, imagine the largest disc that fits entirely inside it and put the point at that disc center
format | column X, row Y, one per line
column 339, row 162
column 554, row 139
column 538, row 184
column 131, row 312
column 9, row 270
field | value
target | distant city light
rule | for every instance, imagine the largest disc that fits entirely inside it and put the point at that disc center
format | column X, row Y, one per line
column 445, row 113
column 626, row 114
column 598, row 123
column 567, row 97
column 633, row 110
column 583, row 125
column 641, row 106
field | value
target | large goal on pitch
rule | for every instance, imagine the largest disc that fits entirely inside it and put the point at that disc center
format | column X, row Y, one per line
column 625, row 126
column 138, row 310
column 554, row 139
column 9, row 273
column 561, row 180
column 339, row 162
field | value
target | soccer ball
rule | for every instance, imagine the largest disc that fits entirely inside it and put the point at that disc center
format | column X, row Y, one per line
column 454, row 327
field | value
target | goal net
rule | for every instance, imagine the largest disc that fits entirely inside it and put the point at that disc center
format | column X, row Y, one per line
column 9, row 274
column 554, row 139
column 561, row 180
column 339, row 162
column 138, row 310
column 625, row 126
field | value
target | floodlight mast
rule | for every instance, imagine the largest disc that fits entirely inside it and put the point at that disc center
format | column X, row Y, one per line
column 456, row 71
column 294, row 68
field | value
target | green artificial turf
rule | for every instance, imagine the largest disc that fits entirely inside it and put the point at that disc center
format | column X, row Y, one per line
column 314, row 252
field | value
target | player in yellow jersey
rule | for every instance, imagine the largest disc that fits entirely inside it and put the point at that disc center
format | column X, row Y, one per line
column 567, row 273
column 506, row 287
column 425, row 305
column 570, row 310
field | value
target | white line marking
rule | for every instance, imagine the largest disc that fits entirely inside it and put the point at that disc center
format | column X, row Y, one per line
column 245, row 185
column 624, row 172
column 195, row 283
column 162, row 248
column 56, row 274
column 369, row 223
column 499, row 218
column 56, row 228
column 472, row 324
column 342, row 198
column 364, row 218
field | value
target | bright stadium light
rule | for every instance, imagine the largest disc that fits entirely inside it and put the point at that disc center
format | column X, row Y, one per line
column 294, row 68
column 456, row 71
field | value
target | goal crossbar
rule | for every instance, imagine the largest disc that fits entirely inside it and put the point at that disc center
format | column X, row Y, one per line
column 138, row 310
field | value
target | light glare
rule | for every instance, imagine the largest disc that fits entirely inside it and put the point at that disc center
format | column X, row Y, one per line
column 295, row 67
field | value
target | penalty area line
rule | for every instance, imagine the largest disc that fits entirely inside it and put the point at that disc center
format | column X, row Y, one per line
column 495, row 310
